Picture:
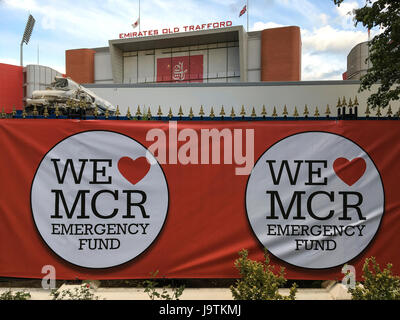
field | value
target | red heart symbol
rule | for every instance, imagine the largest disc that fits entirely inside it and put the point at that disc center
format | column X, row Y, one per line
column 133, row 170
column 349, row 171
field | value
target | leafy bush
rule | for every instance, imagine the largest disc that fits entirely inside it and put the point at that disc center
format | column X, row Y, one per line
column 151, row 289
column 378, row 284
column 19, row 295
column 78, row 293
column 258, row 281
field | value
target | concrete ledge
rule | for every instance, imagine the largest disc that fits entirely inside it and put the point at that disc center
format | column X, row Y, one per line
column 333, row 292
column 339, row 292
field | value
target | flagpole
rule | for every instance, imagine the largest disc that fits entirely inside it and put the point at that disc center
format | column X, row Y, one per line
column 248, row 16
column 139, row 16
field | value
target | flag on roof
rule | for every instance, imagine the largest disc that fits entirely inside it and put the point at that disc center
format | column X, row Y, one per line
column 136, row 23
column 243, row 11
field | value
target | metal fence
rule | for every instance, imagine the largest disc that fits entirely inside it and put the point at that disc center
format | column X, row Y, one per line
column 346, row 109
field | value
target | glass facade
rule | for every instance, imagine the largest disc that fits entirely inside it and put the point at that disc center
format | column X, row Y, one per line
column 216, row 62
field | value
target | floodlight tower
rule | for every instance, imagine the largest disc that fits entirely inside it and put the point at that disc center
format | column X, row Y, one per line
column 27, row 34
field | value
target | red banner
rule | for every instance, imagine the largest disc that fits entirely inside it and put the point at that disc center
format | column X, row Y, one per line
column 180, row 69
column 120, row 199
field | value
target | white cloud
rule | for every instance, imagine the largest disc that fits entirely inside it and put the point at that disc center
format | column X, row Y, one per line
column 345, row 14
column 106, row 19
column 329, row 39
column 265, row 25
column 322, row 67
column 346, row 8
column 80, row 20
column 48, row 23
column 60, row 69
column 325, row 51
column 303, row 7
column 28, row 5
column 324, row 18
column 11, row 61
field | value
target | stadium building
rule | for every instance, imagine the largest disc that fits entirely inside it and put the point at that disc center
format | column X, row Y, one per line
column 227, row 54
column 195, row 68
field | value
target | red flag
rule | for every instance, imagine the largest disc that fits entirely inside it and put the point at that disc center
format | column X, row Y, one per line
column 243, row 11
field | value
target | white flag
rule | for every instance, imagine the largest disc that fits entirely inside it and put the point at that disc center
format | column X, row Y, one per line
column 136, row 23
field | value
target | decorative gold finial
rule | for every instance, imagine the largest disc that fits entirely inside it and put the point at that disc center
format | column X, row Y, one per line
column 305, row 113
column 117, row 113
column 45, row 112
column 233, row 115
column 350, row 103
column 274, row 114
column 138, row 112
column 159, row 112
column 316, row 113
column 327, row 110
column 56, row 111
column 367, row 112
column 191, row 113
column 242, row 112
column 285, row 113
column 295, row 113
column 264, row 111
column 180, row 112
column 24, row 114
column 170, row 113
column 339, row 104
column 128, row 114
column 222, row 113
column 355, row 102
column 201, row 113
column 35, row 111
column 344, row 103
column 149, row 115
column 378, row 112
column 212, row 115
column 389, row 112
column 253, row 113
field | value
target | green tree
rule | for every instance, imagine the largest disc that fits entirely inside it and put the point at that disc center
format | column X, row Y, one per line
column 258, row 280
column 378, row 284
column 384, row 49
column 153, row 293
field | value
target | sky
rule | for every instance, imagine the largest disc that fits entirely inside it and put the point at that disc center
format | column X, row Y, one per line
column 327, row 31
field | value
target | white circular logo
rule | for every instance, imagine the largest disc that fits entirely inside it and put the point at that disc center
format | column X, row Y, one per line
column 99, row 199
column 315, row 200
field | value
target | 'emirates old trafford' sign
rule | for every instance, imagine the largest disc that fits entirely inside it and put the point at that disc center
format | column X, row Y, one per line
column 155, row 32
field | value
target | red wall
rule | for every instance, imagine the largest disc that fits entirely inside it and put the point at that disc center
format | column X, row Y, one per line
column 281, row 54
column 11, row 82
column 80, row 65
